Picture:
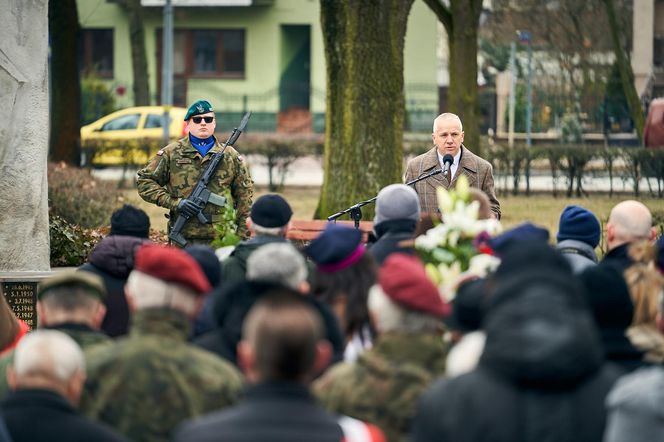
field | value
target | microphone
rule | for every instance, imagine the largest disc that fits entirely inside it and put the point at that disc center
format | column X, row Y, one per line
column 448, row 160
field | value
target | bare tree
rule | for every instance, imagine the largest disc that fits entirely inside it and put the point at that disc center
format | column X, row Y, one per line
column 625, row 68
column 139, row 63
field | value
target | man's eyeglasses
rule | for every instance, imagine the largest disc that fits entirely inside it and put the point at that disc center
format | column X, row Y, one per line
column 198, row 120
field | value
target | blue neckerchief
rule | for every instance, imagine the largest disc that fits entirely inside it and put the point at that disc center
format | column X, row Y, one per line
column 203, row 146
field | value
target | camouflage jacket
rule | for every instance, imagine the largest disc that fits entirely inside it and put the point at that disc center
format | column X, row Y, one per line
column 82, row 334
column 175, row 170
column 385, row 383
column 151, row 380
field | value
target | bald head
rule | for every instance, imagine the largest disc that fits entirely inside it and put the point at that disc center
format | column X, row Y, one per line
column 629, row 221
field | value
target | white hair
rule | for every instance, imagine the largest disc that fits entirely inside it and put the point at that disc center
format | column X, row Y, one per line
column 149, row 292
column 390, row 317
column 48, row 353
column 631, row 220
column 268, row 231
column 447, row 116
column 277, row 262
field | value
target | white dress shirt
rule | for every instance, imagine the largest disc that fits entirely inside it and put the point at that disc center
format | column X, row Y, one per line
column 455, row 164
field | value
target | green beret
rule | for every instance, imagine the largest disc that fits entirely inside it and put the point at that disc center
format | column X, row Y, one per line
column 199, row 107
column 74, row 278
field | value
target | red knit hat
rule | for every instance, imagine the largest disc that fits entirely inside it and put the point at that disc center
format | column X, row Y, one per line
column 170, row 264
column 404, row 281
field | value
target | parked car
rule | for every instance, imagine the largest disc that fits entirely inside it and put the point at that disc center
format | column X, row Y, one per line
column 653, row 134
column 129, row 136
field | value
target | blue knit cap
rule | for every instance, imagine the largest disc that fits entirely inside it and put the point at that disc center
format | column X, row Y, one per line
column 523, row 233
column 336, row 248
column 579, row 224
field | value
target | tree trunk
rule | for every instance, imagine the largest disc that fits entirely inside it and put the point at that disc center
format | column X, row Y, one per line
column 462, row 20
column 462, row 94
column 364, row 120
column 65, row 138
column 626, row 73
column 139, row 62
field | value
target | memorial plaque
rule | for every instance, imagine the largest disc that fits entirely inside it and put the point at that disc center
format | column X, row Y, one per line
column 22, row 298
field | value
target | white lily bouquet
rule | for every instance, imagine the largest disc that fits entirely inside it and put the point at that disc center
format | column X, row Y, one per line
column 454, row 250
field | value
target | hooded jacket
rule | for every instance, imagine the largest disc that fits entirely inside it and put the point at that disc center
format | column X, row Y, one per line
column 541, row 376
column 113, row 259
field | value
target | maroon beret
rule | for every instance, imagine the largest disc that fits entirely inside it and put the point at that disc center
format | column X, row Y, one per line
column 404, row 281
column 171, row 265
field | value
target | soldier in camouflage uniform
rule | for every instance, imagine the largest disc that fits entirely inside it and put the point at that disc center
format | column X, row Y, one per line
column 151, row 380
column 383, row 386
column 70, row 302
column 172, row 174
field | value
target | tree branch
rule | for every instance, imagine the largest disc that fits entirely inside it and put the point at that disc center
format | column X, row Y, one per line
column 443, row 13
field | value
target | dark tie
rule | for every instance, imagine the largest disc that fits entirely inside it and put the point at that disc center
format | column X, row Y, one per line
column 449, row 175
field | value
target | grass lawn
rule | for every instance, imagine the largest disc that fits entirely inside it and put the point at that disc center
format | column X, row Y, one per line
column 541, row 209
column 303, row 201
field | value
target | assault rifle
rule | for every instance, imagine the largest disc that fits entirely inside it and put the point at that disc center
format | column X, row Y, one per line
column 201, row 195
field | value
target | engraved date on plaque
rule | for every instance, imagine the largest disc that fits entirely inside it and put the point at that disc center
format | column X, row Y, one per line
column 22, row 298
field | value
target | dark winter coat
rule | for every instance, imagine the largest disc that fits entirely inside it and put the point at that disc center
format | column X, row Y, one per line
column 272, row 412
column 390, row 234
column 34, row 415
column 113, row 259
column 618, row 258
column 234, row 268
column 579, row 254
column 233, row 305
column 541, row 376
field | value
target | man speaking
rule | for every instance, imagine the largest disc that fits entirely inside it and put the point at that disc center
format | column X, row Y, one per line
column 453, row 159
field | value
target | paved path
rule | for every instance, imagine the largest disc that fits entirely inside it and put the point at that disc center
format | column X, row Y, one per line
column 308, row 171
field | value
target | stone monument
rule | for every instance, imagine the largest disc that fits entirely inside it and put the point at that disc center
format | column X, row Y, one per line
column 24, row 240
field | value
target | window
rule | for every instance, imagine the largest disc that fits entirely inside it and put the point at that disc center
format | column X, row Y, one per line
column 205, row 52
column 233, row 51
column 153, row 121
column 122, row 123
column 97, row 52
column 218, row 53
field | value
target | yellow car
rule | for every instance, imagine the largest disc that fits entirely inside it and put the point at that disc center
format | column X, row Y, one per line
column 129, row 136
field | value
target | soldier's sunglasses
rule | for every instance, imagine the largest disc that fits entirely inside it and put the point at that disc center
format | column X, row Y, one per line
column 197, row 120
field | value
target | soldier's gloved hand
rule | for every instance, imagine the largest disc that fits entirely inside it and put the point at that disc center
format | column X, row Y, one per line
column 188, row 207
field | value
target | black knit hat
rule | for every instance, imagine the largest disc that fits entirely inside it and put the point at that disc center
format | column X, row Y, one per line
column 130, row 221
column 271, row 210
column 468, row 307
column 207, row 259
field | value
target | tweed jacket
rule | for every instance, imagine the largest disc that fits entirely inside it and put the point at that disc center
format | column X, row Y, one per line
column 478, row 171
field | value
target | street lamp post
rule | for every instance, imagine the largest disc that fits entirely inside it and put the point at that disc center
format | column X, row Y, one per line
column 167, row 70
column 510, row 132
column 526, row 37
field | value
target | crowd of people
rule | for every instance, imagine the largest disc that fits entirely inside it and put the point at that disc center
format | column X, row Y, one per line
column 347, row 338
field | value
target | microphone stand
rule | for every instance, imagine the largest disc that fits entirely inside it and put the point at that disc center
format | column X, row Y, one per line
column 355, row 211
